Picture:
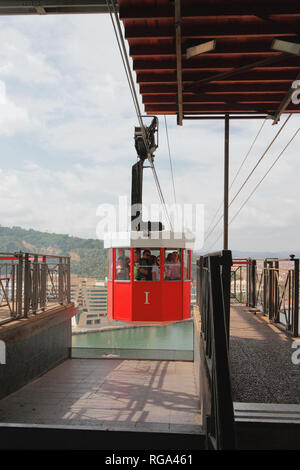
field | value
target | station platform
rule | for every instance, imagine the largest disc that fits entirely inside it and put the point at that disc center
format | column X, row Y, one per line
column 84, row 403
column 110, row 395
column 262, row 370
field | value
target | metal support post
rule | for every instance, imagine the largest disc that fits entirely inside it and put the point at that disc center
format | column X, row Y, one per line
column 26, row 285
column 226, row 182
column 253, row 282
column 19, row 284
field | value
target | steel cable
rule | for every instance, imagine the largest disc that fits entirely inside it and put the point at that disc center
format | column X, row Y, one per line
column 123, row 52
column 258, row 184
column 249, row 176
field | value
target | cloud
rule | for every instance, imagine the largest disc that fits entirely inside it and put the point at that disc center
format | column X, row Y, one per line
column 20, row 60
column 56, row 200
column 13, row 118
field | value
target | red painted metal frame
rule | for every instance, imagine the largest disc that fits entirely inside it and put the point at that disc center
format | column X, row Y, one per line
column 241, row 262
column 14, row 258
column 159, row 301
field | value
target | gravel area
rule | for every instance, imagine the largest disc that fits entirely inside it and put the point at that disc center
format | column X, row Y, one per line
column 261, row 360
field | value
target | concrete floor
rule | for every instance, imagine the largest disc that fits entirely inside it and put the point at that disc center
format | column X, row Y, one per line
column 110, row 394
column 262, row 370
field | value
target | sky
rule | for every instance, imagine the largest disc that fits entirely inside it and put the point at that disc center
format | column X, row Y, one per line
column 66, row 142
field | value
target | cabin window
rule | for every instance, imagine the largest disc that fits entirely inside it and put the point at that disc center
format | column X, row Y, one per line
column 146, row 264
column 186, row 266
column 172, row 265
column 122, row 264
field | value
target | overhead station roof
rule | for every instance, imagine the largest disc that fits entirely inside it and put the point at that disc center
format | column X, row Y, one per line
column 242, row 75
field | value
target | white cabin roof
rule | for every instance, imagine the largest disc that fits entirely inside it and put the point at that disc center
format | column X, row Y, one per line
column 162, row 239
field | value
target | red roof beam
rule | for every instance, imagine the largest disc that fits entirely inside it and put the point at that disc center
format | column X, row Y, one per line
column 204, row 9
column 214, row 108
column 255, row 87
column 218, row 27
column 204, row 62
column 139, row 47
column 190, row 77
column 255, row 98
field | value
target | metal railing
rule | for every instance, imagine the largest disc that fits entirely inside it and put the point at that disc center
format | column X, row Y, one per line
column 243, row 278
column 271, row 285
column 213, row 289
column 31, row 282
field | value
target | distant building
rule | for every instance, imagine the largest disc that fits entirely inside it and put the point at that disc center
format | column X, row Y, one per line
column 90, row 296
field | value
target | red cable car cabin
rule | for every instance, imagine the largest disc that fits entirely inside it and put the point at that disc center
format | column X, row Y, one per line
column 149, row 279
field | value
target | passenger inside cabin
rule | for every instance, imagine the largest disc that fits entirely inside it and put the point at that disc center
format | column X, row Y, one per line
column 147, row 267
column 121, row 253
column 155, row 268
column 172, row 267
column 122, row 270
column 145, row 271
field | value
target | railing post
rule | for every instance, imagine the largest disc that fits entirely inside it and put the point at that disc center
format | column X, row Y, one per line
column 13, row 289
column 19, row 293
column 271, row 292
column 295, row 321
column 226, row 263
column 266, row 288
column 68, row 280
column 43, row 288
column 26, row 285
column 35, row 280
column 60, row 282
column 248, row 284
column 253, row 283
column 234, row 283
column 276, row 292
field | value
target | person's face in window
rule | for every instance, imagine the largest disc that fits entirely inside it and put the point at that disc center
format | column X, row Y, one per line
column 146, row 254
column 158, row 260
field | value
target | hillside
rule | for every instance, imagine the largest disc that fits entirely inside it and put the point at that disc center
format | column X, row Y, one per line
column 88, row 257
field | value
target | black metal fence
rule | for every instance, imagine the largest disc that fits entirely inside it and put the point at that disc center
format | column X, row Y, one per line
column 271, row 285
column 242, row 276
column 32, row 282
column 213, row 299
